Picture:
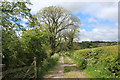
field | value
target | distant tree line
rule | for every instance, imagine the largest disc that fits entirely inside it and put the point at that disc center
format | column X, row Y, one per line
column 93, row 44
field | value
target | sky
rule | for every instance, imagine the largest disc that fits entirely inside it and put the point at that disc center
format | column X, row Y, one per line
column 99, row 18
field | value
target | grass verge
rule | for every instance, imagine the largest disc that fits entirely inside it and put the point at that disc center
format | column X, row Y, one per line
column 48, row 65
column 99, row 62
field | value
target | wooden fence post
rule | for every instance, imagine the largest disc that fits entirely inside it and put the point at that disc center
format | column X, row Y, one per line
column 35, row 69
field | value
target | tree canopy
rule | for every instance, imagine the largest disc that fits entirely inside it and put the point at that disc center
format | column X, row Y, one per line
column 56, row 20
column 13, row 49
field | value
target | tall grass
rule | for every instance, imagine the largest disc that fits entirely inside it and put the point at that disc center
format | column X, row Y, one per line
column 47, row 65
column 102, row 62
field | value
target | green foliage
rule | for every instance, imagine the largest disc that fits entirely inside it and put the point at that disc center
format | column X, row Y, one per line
column 22, row 50
column 13, row 48
column 19, row 50
column 67, row 69
column 56, row 20
column 37, row 44
column 20, row 46
column 47, row 65
column 99, row 62
column 13, row 51
column 66, row 61
column 13, row 13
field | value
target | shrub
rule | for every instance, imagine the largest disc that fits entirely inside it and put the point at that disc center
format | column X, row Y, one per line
column 47, row 65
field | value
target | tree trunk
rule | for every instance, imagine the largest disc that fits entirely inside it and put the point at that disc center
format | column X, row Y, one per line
column 52, row 42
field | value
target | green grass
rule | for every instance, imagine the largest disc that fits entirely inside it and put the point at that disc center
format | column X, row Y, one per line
column 67, row 69
column 99, row 62
column 48, row 65
column 66, row 61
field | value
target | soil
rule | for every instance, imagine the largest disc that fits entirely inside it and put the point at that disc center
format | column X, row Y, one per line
column 66, row 70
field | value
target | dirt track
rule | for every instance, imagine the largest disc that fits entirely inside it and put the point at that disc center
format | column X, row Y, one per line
column 58, row 71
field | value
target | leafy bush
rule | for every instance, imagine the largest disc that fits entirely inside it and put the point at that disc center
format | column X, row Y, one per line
column 47, row 65
column 37, row 44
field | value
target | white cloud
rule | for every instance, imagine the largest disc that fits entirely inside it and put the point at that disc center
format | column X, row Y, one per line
column 103, row 9
column 39, row 4
column 92, row 20
column 102, row 32
column 82, row 30
column 108, row 13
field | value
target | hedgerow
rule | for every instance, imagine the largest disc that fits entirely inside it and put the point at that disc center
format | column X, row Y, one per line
column 99, row 62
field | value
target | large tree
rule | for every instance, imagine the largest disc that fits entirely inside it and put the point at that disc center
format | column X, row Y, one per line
column 56, row 19
column 70, row 36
